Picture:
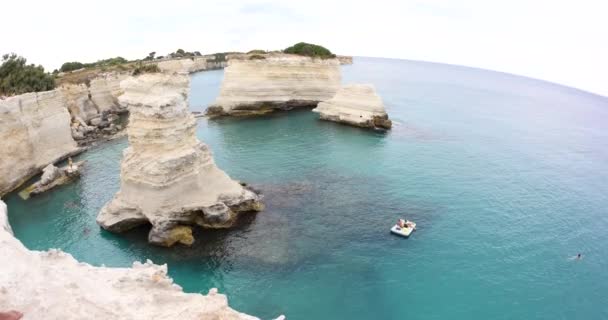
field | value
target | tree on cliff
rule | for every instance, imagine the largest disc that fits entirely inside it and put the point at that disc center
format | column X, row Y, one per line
column 150, row 56
column 17, row 77
column 310, row 50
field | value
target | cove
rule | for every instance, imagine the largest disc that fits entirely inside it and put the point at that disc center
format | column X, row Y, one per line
column 505, row 176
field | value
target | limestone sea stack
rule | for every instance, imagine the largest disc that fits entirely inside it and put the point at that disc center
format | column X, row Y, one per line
column 355, row 104
column 259, row 84
column 53, row 285
column 168, row 176
column 35, row 131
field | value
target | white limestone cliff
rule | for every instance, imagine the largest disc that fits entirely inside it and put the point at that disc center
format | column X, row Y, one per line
column 168, row 177
column 87, row 101
column 53, row 285
column 345, row 59
column 275, row 81
column 356, row 104
column 35, row 131
column 189, row 64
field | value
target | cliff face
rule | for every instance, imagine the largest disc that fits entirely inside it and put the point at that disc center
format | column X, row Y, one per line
column 53, row 285
column 35, row 131
column 345, row 59
column 90, row 101
column 357, row 105
column 168, row 177
column 281, row 81
column 189, row 65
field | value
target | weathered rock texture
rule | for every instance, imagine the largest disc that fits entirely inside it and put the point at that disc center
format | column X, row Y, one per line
column 52, row 177
column 168, row 177
column 189, row 64
column 35, row 131
column 345, row 59
column 357, row 105
column 99, row 95
column 278, row 81
column 53, row 285
column 94, row 107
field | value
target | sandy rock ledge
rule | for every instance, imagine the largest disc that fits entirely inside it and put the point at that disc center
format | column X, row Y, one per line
column 356, row 104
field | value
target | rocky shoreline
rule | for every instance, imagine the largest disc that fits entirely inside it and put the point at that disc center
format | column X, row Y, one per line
column 53, row 285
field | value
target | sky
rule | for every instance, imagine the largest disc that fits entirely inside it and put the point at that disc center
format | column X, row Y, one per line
column 560, row 41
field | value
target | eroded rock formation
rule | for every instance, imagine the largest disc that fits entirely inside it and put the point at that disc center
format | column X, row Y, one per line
column 53, row 177
column 275, row 81
column 35, row 131
column 94, row 107
column 168, row 177
column 356, row 104
column 53, row 285
column 190, row 64
column 345, row 59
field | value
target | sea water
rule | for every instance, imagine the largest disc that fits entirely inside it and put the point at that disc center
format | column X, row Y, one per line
column 505, row 176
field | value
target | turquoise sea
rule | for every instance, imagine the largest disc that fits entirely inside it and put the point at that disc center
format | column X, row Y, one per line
column 506, row 177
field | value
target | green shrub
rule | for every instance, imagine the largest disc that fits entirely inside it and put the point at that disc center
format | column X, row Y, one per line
column 71, row 66
column 257, row 51
column 310, row 50
column 145, row 68
column 16, row 77
column 256, row 57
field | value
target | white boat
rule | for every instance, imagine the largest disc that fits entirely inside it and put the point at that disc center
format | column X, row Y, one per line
column 404, row 232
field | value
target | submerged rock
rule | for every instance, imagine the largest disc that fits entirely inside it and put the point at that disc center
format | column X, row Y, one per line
column 168, row 176
column 356, row 104
column 277, row 82
column 53, row 285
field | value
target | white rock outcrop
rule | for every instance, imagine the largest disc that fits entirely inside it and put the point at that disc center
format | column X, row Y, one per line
column 189, row 64
column 345, row 59
column 35, row 131
column 275, row 81
column 168, row 177
column 356, row 104
column 105, row 90
column 53, row 285
column 99, row 95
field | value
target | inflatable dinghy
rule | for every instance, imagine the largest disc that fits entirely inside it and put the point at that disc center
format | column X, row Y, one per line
column 406, row 231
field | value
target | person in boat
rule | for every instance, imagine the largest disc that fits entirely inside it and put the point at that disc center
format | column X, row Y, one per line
column 401, row 223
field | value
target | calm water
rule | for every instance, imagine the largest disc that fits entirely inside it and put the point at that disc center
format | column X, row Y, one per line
column 507, row 178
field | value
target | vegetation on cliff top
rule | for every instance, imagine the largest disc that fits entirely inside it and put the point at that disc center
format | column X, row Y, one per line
column 141, row 68
column 310, row 50
column 75, row 65
column 17, row 77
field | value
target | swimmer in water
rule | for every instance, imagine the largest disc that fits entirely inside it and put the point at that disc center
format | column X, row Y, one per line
column 579, row 256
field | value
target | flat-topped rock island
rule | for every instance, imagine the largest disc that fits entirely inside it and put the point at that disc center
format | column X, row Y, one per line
column 355, row 104
column 258, row 84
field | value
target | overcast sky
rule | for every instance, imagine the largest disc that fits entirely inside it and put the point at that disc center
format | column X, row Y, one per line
column 560, row 41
